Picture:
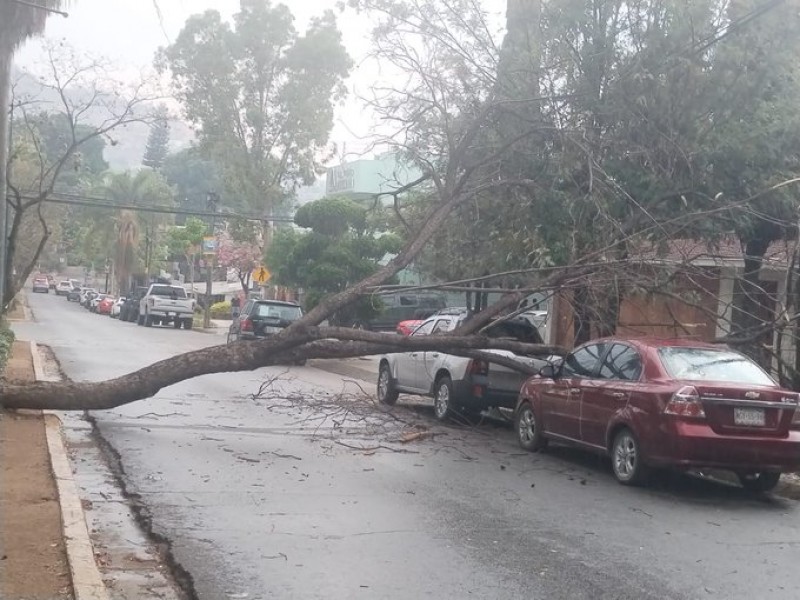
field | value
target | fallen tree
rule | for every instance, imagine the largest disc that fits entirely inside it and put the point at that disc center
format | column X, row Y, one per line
column 302, row 343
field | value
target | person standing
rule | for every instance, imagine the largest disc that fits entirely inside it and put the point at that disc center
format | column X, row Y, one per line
column 236, row 304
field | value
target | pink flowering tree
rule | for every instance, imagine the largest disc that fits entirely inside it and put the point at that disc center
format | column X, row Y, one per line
column 242, row 257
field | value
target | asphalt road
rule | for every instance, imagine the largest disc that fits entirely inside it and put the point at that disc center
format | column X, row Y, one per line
column 261, row 500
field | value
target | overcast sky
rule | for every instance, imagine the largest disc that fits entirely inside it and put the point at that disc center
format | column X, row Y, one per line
column 129, row 32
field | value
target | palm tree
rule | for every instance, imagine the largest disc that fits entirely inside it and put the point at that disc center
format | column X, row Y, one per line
column 18, row 22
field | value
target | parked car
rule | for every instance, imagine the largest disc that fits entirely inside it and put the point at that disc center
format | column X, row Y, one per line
column 130, row 308
column 408, row 327
column 657, row 403
column 458, row 384
column 104, row 305
column 116, row 308
column 63, row 288
column 164, row 304
column 401, row 307
column 40, row 285
column 262, row 318
column 94, row 303
column 86, row 296
column 75, row 294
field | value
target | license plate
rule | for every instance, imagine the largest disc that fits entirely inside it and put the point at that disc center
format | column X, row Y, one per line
column 750, row 417
column 272, row 330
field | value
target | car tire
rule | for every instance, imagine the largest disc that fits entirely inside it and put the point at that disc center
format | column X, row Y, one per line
column 176, row 323
column 387, row 392
column 626, row 458
column 759, row 481
column 529, row 433
column 187, row 323
column 301, row 363
column 444, row 405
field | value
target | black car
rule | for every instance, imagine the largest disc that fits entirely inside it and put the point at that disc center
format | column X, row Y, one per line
column 262, row 318
column 130, row 310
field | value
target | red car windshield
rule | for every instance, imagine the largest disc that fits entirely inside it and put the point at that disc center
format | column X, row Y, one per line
column 709, row 364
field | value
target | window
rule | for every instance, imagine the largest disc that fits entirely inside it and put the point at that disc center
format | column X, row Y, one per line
column 168, row 291
column 621, row 362
column 442, row 326
column 425, row 328
column 710, row 364
column 278, row 311
column 247, row 308
column 519, row 330
column 583, row 362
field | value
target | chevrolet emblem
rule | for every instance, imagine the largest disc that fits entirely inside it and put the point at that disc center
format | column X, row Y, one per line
column 752, row 395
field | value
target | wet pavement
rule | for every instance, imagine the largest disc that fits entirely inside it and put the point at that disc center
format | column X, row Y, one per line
column 259, row 498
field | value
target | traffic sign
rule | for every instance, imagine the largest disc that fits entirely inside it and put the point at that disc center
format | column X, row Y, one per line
column 261, row 275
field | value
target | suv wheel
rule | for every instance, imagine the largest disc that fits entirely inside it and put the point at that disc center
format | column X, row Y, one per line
column 387, row 393
column 443, row 400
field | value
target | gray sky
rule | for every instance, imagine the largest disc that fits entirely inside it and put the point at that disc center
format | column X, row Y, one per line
column 128, row 32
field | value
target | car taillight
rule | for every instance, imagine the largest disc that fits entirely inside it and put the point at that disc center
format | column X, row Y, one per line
column 796, row 419
column 478, row 367
column 246, row 325
column 685, row 403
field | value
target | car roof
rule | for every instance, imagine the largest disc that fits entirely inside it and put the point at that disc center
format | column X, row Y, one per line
column 657, row 342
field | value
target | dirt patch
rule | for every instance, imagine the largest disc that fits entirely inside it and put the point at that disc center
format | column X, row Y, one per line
column 33, row 561
column 17, row 311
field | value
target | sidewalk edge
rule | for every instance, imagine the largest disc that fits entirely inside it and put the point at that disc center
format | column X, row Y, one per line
column 87, row 583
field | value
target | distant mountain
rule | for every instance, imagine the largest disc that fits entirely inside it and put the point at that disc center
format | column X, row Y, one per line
column 125, row 145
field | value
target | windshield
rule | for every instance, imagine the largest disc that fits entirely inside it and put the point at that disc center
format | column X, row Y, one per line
column 168, row 291
column 278, row 311
column 709, row 364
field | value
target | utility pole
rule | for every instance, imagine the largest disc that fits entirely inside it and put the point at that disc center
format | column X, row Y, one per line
column 212, row 202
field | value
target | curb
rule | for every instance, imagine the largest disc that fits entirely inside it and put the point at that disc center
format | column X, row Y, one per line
column 87, row 583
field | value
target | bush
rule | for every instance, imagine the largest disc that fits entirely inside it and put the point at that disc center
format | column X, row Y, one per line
column 221, row 310
column 6, row 341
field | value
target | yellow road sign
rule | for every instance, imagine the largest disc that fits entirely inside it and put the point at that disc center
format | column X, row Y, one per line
column 261, row 275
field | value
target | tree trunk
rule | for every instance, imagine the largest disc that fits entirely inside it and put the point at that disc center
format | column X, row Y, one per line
column 749, row 300
column 287, row 347
column 6, row 57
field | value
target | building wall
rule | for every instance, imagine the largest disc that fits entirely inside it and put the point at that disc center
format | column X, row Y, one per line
column 362, row 179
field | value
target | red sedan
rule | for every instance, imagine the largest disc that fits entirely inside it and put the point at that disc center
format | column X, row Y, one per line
column 105, row 305
column 675, row 403
column 407, row 327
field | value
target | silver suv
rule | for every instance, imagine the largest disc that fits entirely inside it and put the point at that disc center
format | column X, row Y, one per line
column 456, row 383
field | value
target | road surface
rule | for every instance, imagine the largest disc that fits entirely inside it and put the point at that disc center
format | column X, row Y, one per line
column 258, row 500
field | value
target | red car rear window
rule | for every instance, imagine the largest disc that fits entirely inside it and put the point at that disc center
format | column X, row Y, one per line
column 710, row 364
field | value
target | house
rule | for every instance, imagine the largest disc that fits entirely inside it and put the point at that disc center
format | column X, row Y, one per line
column 686, row 289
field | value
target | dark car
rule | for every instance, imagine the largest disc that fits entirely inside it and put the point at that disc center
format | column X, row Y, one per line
column 130, row 309
column 665, row 403
column 398, row 307
column 74, row 294
column 262, row 318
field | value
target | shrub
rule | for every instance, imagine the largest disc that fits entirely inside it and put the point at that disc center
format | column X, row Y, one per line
column 6, row 341
column 221, row 310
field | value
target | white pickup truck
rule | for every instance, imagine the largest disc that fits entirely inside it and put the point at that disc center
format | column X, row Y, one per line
column 458, row 384
column 164, row 304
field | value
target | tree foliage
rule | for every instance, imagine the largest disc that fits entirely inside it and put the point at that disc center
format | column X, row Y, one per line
column 260, row 95
column 338, row 250
column 157, row 140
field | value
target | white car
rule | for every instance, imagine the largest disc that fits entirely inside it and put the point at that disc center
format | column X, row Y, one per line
column 63, row 288
column 116, row 308
column 456, row 383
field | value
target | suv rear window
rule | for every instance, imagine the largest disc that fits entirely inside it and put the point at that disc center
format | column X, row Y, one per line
column 284, row 312
column 515, row 330
column 168, row 291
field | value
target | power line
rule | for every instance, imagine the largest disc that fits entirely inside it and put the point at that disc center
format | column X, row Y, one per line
column 73, row 200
